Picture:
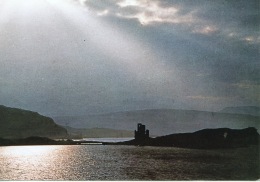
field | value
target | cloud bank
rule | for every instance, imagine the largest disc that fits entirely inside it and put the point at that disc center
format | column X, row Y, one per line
column 75, row 57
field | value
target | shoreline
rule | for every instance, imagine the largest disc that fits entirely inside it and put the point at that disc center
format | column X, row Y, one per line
column 221, row 138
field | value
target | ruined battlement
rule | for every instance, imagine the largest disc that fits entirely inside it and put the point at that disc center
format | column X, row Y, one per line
column 141, row 133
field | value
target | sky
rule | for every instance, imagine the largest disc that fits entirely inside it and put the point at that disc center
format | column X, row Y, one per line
column 79, row 57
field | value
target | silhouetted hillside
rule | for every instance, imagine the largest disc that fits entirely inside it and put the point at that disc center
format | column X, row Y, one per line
column 34, row 140
column 18, row 123
column 162, row 121
column 204, row 139
column 252, row 110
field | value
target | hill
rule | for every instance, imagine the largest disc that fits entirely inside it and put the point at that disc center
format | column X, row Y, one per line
column 252, row 110
column 98, row 133
column 203, row 139
column 162, row 121
column 35, row 140
column 18, row 123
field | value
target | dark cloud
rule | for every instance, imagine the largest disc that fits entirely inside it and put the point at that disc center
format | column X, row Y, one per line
column 202, row 55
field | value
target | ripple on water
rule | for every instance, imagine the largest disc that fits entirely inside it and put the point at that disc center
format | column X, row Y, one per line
column 88, row 162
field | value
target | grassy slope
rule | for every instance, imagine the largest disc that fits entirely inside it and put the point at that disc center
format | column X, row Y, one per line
column 18, row 123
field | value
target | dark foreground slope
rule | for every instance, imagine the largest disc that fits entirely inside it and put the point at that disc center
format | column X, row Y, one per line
column 34, row 140
column 204, row 139
column 18, row 123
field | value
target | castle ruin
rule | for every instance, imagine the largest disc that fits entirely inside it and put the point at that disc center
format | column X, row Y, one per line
column 141, row 133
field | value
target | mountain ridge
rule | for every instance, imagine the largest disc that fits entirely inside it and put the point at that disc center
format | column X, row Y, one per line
column 162, row 121
column 251, row 110
column 98, row 133
column 19, row 123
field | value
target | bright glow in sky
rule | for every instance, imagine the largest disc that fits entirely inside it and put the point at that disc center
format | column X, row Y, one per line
column 74, row 57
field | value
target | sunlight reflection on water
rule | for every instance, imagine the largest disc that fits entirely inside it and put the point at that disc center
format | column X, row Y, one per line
column 126, row 163
column 23, row 151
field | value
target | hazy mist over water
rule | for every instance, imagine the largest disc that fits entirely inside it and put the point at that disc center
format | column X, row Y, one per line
column 99, row 162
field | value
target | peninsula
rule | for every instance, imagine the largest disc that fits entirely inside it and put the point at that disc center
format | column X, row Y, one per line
column 203, row 139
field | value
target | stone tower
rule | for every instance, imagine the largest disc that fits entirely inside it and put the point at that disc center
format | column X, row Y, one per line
column 141, row 133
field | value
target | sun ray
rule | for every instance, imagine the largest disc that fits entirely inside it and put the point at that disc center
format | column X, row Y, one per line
column 127, row 52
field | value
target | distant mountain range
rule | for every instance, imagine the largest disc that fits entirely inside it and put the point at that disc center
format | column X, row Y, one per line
column 162, row 121
column 98, row 133
column 18, row 123
column 252, row 110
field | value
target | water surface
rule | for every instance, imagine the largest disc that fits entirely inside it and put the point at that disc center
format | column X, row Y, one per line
column 108, row 139
column 98, row 162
